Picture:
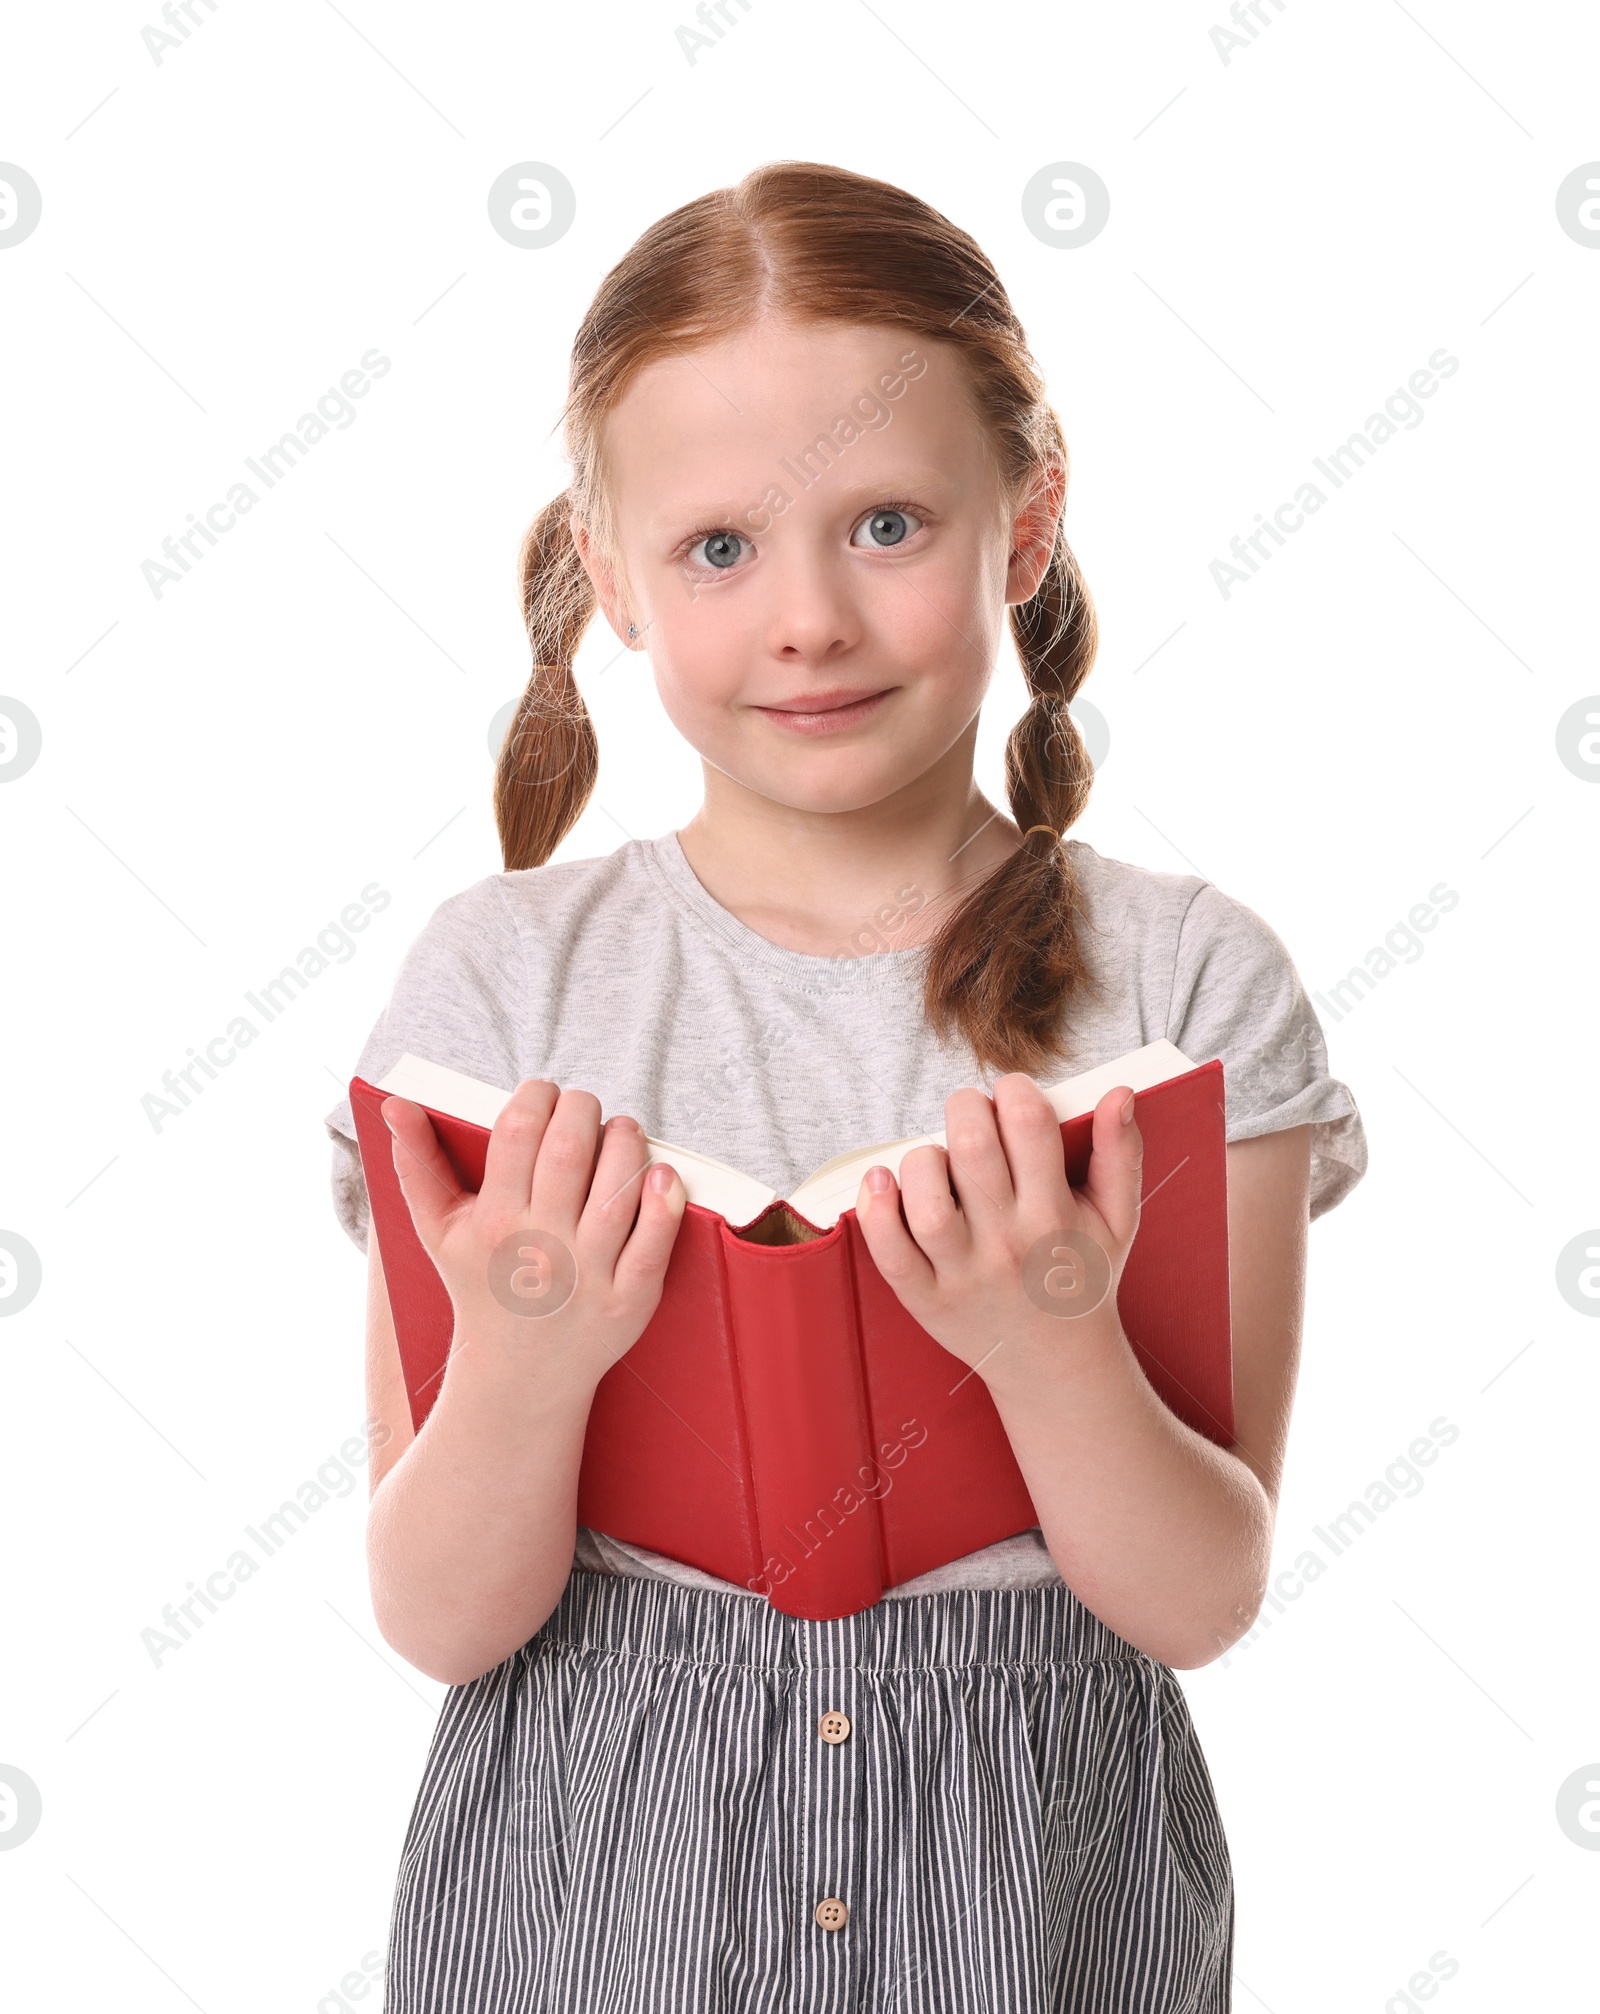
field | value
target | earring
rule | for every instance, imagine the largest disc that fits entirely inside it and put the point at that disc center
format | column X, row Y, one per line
column 631, row 630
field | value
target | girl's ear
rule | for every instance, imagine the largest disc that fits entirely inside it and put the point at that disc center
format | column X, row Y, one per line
column 1033, row 531
column 603, row 581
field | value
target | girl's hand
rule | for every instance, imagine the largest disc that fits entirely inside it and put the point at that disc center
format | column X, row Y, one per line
column 991, row 1271
column 545, row 1262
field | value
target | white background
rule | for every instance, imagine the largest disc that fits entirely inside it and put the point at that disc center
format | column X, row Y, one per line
column 1292, row 233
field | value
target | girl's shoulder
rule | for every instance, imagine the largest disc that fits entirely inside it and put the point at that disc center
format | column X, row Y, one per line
column 1180, row 928
column 526, row 898
column 1212, row 976
column 504, row 929
column 479, row 965
column 1117, row 889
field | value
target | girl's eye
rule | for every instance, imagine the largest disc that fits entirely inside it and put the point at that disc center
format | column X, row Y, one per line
column 885, row 528
column 720, row 548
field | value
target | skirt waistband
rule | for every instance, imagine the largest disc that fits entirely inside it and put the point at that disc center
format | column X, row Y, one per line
column 626, row 1614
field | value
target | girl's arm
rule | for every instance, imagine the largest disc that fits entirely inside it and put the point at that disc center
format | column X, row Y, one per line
column 1162, row 1534
column 1166, row 1536
column 472, row 1521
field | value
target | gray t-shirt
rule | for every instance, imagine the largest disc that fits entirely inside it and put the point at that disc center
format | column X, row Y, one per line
column 622, row 976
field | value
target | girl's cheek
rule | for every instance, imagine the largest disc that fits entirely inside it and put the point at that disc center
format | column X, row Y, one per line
column 698, row 679
column 944, row 630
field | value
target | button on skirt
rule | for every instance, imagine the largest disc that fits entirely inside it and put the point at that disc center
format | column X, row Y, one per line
column 674, row 1801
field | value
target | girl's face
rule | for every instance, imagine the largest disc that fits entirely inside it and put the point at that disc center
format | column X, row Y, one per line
column 816, row 554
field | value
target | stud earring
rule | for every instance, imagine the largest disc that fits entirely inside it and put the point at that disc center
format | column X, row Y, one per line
column 631, row 630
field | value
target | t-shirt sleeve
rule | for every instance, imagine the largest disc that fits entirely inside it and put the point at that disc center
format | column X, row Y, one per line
column 454, row 1001
column 1236, row 995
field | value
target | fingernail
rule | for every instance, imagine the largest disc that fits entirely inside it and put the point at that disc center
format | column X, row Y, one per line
column 660, row 1176
column 879, row 1179
column 1127, row 1111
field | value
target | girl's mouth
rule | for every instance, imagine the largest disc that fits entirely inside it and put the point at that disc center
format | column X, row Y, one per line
column 825, row 712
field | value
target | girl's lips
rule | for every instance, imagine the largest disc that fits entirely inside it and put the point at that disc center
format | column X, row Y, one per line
column 824, row 713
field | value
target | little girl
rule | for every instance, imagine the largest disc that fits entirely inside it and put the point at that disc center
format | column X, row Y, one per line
column 813, row 464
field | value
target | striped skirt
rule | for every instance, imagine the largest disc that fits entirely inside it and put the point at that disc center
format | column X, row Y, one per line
column 673, row 1801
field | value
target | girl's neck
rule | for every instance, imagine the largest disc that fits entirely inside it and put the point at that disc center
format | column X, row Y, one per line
column 882, row 878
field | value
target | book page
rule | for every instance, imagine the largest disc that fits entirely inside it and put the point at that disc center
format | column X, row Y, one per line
column 711, row 1184
column 825, row 1195
column 714, row 1185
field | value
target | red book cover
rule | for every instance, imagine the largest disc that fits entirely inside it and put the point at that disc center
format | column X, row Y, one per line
column 783, row 1423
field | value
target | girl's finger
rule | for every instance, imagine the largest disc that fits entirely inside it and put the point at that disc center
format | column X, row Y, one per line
column 933, row 1215
column 643, row 1259
column 427, row 1180
column 895, row 1253
column 615, row 1192
column 978, row 1169
column 1116, row 1165
column 566, row 1161
column 514, row 1148
column 1031, row 1135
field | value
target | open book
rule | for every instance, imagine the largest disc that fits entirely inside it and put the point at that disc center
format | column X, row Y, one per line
column 783, row 1423
column 824, row 1196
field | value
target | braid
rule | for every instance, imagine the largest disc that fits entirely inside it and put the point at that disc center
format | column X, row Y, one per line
column 550, row 758
column 1007, row 962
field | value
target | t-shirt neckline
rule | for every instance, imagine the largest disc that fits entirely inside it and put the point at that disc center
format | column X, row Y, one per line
column 811, row 969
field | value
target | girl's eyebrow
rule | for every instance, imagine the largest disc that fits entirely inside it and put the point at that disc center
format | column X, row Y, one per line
column 671, row 514
column 907, row 478
column 837, row 477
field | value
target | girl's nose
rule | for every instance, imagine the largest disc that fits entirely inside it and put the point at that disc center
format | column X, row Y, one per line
column 811, row 613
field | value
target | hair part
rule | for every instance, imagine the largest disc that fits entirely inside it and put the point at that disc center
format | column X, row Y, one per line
column 805, row 242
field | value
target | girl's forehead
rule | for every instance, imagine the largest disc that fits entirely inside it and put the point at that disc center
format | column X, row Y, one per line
column 780, row 342
column 770, row 367
column 691, row 421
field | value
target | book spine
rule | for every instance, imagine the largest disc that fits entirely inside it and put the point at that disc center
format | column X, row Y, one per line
column 944, row 1478
column 800, row 1368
